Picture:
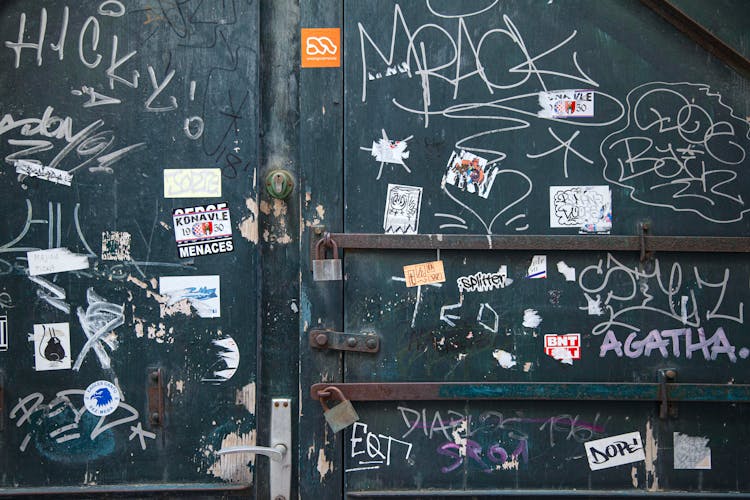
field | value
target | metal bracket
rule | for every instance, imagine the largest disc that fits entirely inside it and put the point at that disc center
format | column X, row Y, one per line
column 341, row 341
column 667, row 408
column 643, row 230
column 155, row 397
column 280, row 451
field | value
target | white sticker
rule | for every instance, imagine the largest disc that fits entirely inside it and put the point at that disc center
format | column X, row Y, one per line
column 691, row 452
column 202, row 230
column 50, row 174
column 229, row 359
column 566, row 104
column 115, row 245
column 101, row 398
column 538, row 267
column 203, row 293
column 614, row 451
column 55, row 260
column 531, row 318
column 192, row 182
column 588, row 208
column 389, row 151
column 567, row 271
column 504, row 358
column 52, row 347
column 3, row 333
column 402, row 207
column 469, row 173
column 564, row 348
column 484, row 282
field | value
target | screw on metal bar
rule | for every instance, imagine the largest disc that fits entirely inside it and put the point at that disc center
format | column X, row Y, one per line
column 371, row 343
column 321, row 339
column 351, row 342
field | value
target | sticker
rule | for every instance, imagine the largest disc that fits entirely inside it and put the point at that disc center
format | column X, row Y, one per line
column 52, row 347
column 484, row 282
column 567, row 271
column 388, row 151
column 202, row 230
column 321, row 47
column 3, row 333
column 424, row 274
column 192, row 182
column 101, row 398
column 469, row 173
column 538, row 267
column 531, row 318
column 229, row 360
column 504, row 358
column 115, row 245
column 587, row 207
column 50, row 174
column 402, row 207
column 566, row 104
column 55, row 260
column 691, row 452
column 203, row 293
column 564, row 348
column 614, row 451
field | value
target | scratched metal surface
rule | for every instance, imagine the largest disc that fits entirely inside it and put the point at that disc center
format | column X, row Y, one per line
column 178, row 91
column 406, row 83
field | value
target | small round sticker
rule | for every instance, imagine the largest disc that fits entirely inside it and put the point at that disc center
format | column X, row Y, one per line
column 101, row 398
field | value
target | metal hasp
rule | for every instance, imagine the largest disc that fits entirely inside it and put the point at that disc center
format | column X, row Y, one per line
column 666, row 408
column 155, row 397
column 340, row 341
column 664, row 392
column 279, row 184
column 612, row 243
column 280, row 450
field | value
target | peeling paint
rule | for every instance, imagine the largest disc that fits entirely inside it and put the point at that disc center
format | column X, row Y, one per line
column 634, row 476
column 650, row 449
column 249, row 225
column 265, row 207
column 321, row 211
column 246, row 397
column 527, row 366
column 279, row 208
column 165, row 225
column 325, row 466
column 233, row 467
column 180, row 307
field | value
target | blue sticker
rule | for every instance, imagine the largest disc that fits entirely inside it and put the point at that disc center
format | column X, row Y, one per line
column 101, row 398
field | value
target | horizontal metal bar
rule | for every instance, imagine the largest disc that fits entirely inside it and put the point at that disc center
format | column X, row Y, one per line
column 515, row 493
column 125, row 489
column 540, row 242
column 552, row 391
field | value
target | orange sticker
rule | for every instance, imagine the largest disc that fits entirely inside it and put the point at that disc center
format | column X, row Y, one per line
column 321, row 47
column 424, row 274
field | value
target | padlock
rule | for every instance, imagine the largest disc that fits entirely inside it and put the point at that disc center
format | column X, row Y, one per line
column 340, row 416
column 326, row 269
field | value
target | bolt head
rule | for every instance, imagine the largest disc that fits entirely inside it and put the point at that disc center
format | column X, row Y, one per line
column 321, row 339
column 351, row 342
column 371, row 343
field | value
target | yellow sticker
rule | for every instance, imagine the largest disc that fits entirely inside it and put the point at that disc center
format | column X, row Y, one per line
column 192, row 182
column 424, row 274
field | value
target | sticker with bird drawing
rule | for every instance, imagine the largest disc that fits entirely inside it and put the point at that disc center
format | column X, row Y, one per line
column 101, row 398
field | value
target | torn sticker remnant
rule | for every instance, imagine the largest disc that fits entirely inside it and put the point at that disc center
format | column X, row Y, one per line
column 39, row 171
column 202, row 292
column 691, row 452
column 115, row 245
column 55, row 260
column 504, row 358
column 538, row 267
column 228, row 362
column 566, row 104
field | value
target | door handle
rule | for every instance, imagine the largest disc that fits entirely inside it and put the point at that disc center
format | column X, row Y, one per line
column 278, row 452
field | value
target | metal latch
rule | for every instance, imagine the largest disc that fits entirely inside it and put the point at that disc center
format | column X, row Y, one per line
column 340, row 341
column 280, row 450
column 667, row 408
column 155, row 397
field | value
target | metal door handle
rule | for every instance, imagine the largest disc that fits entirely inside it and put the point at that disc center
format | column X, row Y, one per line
column 278, row 452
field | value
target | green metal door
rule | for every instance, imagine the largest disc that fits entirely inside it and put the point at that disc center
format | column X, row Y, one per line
column 128, row 245
column 569, row 181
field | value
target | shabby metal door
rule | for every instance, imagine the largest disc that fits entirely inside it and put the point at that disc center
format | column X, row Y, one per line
column 129, row 245
column 569, row 179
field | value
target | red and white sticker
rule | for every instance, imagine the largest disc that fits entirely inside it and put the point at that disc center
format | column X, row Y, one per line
column 564, row 348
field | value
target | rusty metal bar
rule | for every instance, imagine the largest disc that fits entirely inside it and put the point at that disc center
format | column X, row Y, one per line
column 126, row 489
column 155, row 397
column 549, row 391
column 534, row 493
column 700, row 35
column 713, row 244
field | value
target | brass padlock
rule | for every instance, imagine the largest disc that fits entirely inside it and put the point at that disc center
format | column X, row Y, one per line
column 326, row 269
column 340, row 416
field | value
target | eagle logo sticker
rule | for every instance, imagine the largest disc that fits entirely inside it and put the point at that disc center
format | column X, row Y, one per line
column 101, row 398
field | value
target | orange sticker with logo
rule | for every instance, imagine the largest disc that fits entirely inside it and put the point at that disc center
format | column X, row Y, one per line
column 321, row 47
